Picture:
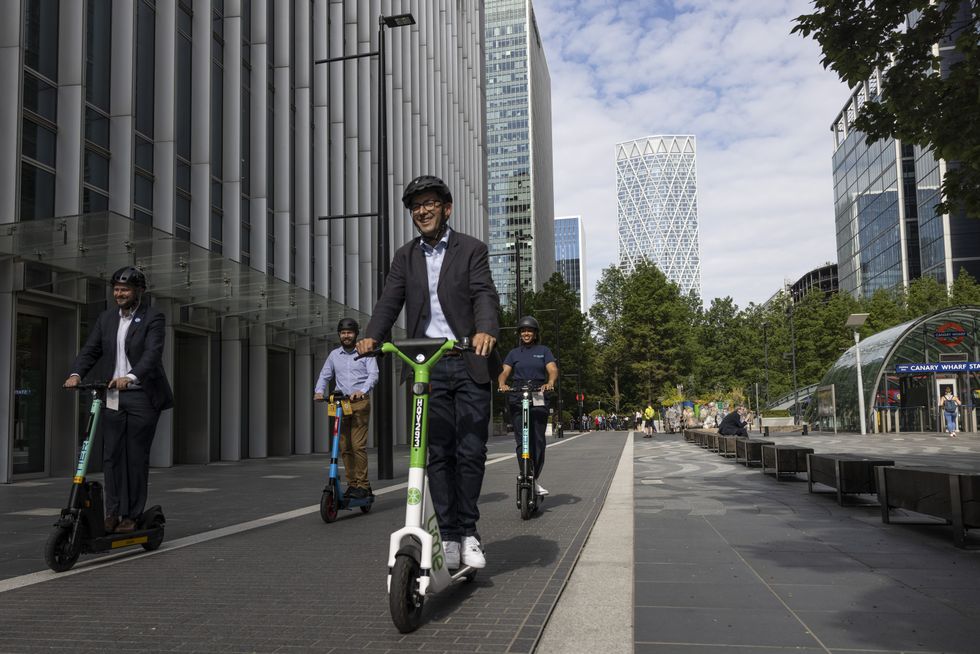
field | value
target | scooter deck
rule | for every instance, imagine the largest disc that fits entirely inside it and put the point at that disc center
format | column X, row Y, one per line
column 117, row 541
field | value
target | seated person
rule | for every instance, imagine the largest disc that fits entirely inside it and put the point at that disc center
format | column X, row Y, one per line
column 734, row 424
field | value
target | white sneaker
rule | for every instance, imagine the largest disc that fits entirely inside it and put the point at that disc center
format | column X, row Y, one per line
column 473, row 553
column 540, row 490
column 451, row 548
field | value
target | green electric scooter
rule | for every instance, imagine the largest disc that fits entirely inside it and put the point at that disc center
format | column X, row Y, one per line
column 416, row 561
column 81, row 528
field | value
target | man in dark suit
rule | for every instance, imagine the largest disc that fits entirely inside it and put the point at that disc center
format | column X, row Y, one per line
column 442, row 279
column 127, row 343
column 734, row 424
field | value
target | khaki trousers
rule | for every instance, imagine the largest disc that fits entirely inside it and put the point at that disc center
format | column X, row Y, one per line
column 353, row 444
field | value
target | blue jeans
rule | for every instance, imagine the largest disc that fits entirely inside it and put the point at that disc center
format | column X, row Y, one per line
column 950, row 420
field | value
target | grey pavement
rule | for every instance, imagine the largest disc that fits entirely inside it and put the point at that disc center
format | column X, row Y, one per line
column 295, row 583
column 659, row 546
column 730, row 560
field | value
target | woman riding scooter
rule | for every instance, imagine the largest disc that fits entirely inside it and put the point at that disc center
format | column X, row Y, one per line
column 531, row 363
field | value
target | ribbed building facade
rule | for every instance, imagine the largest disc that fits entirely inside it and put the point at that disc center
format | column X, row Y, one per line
column 570, row 255
column 519, row 149
column 657, row 193
column 198, row 140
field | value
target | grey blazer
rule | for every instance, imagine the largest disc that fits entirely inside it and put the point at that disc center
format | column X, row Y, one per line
column 466, row 293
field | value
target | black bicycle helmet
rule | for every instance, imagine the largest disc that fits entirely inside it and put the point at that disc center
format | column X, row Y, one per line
column 129, row 275
column 348, row 323
column 426, row 183
column 528, row 322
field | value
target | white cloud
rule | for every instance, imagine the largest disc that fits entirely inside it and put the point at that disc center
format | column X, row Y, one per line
column 728, row 72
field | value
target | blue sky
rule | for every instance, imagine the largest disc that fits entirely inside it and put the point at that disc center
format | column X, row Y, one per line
column 727, row 71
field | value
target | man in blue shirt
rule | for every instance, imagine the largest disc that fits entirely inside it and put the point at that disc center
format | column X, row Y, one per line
column 534, row 363
column 355, row 378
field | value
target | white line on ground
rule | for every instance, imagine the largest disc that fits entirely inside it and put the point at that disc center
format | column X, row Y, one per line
column 95, row 564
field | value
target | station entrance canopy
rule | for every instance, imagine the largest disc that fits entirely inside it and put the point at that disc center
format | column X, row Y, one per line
column 96, row 245
column 904, row 369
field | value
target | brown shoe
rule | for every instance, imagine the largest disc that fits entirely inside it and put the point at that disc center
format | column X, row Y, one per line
column 126, row 526
column 110, row 523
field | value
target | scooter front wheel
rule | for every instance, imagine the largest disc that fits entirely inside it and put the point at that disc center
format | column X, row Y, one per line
column 403, row 596
column 59, row 553
column 525, row 503
column 328, row 506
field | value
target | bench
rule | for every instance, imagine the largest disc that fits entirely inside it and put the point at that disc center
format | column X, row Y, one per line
column 846, row 473
column 727, row 444
column 945, row 493
column 749, row 450
column 784, row 459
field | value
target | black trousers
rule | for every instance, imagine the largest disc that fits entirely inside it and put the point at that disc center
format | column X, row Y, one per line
column 537, row 442
column 127, row 435
column 459, row 420
column 734, row 431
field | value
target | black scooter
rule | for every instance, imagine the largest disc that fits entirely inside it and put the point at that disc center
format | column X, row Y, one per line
column 81, row 528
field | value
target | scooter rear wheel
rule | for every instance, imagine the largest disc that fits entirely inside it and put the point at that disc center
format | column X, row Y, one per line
column 328, row 506
column 156, row 540
column 404, row 600
column 58, row 551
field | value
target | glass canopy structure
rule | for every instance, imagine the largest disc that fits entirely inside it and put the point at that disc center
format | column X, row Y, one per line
column 905, row 369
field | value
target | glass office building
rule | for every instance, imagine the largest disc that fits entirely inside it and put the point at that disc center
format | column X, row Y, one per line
column 198, row 140
column 519, row 154
column 570, row 255
column 885, row 194
column 657, row 191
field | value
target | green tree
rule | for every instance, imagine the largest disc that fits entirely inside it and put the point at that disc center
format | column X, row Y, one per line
column 925, row 295
column 885, row 308
column 964, row 289
column 921, row 102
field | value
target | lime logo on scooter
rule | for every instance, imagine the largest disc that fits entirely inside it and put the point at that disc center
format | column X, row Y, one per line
column 417, row 434
column 432, row 526
column 414, row 496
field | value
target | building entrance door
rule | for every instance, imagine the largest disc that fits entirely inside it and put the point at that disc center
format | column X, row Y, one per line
column 280, row 376
column 192, row 442
column 30, row 442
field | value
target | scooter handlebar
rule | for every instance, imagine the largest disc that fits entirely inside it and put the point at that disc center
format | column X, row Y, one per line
column 89, row 386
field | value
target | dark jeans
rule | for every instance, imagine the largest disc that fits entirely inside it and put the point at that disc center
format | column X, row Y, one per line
column 459, row 419
column 127, row 435
column 734, row 431
column 537, row 442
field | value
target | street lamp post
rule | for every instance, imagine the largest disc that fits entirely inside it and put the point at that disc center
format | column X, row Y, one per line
column 765, row 356
column 855, row 321
column 796, row 387
column 382, row 422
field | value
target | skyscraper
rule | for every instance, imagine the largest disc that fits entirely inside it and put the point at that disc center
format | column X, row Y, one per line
column 656, row 185
column 519, row 160
column 885, row 194
column 199, row 142
column 570, row 255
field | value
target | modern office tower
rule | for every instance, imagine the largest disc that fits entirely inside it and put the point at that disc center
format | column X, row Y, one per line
column 199, row 141
column 570, row 255
column 885, row 193
column 657, row 190
column 822, row 279
column 519, row 160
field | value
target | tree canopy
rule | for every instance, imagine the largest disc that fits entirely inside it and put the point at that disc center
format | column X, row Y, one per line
column 928, row 98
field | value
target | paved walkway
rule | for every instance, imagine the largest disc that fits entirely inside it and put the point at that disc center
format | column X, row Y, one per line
column 249, row 566
column 658, row 546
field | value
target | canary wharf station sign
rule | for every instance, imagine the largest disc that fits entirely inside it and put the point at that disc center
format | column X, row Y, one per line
column 918, row 368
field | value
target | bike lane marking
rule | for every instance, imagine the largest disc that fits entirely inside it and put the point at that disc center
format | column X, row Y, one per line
column 41, row 576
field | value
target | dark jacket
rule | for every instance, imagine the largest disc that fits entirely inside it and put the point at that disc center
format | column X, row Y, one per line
column 144, row 349
column 466, row 293
column 731, row 424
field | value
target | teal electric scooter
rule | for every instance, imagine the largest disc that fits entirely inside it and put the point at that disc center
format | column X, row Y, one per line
column 81, row 527
column 528, row 500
